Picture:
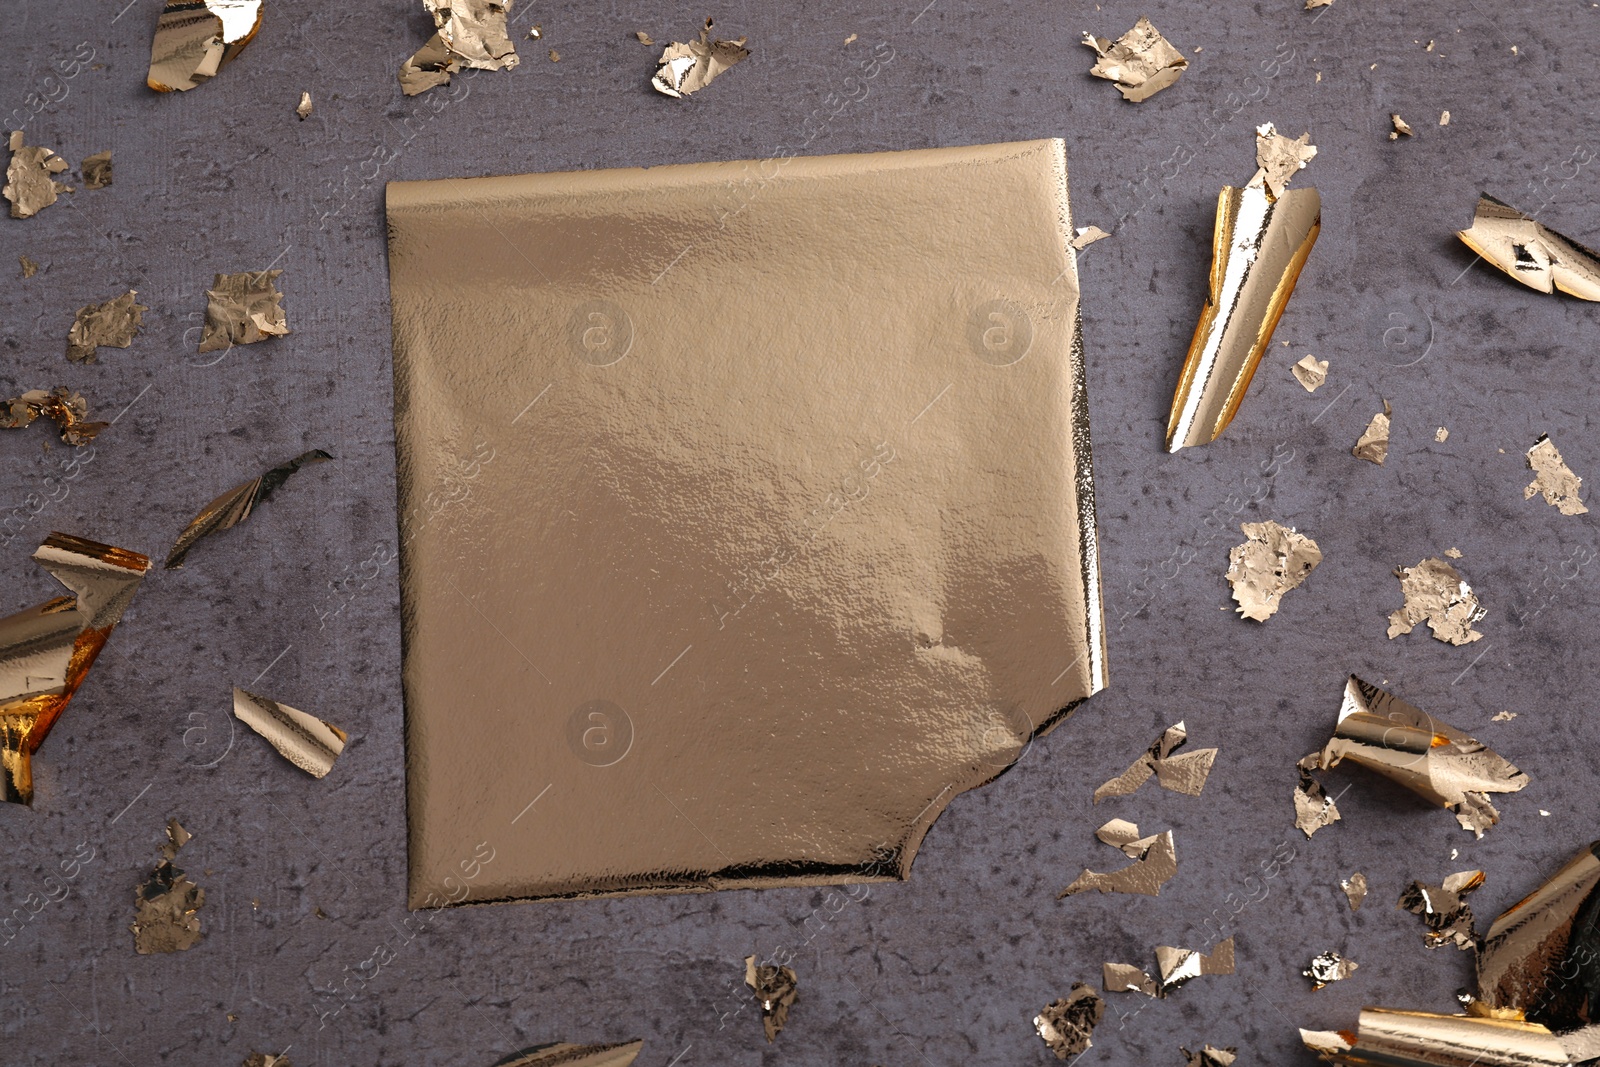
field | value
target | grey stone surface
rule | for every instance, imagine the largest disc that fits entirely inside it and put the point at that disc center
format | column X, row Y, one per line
column 950, row 967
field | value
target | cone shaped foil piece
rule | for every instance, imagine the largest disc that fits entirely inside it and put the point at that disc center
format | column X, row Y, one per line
column 235, row 506
column 46, row 651
column 1394, row 1038
column 1534, row 255
column 1259, row 247
column 1542, row 956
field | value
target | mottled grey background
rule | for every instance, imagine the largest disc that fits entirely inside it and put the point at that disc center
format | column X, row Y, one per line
column 948, row 968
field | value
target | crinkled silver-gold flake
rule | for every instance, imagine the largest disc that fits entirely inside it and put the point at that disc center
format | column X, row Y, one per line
column 1273, row 560
column 565, row 1054
column 1280, row 158
column 1400, row 126
column 110, row 325
column 1329, row 967
column 1182, row 774
column 1141, row 62
column 304, row 740
column 1444, row 909
column 67, row 409
column 776, row 988
column 97, row 170
column 30, row 183
column 1126, row 978
column 242, row 309
column 1436, row 592
column 1553, row 478
column 1155, row 862
column 1355, row 889
column 234, row 506
column 1310, row 372
column 167, row 903
column 1373, row 444
column 1530, row 252
column 1210, row 1056
column 1067, row 1025
column 1179, row 965
column 303, row 108
column 469, row 33
column 686, row 68
column 1313, row 808
column 195, row 39
column 1086, row 236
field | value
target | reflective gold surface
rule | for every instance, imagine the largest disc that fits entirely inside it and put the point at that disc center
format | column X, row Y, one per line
column 195, row 39
column 1258, row 248
column 46, row 650
column 747, row 513
column 1531, row 252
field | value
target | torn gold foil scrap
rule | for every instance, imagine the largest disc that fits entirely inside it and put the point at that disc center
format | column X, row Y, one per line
column 565, row 1054
column 67, row 409
column 1067, row 1025
column 30, row 178
column 1435, row 592
column 686, row 68
column 1209, row 1056
column 110, row 325
column 1311, row 372
column 1313, row 807
column 97, row 170
column 1141, row 62
column 304, row 740
column 195, row 39
column 776, row 989
column 47, row 650
column 167, row 904
column 1553, row 479
column 1262, row 237
column 1531, row 252
column 235, row 506
column 1155, row 863
column 1186, row 773
column 1355, row 889
column 242, row 309
column 469, row 34
column 1444, row 909
column 1373, row 445
column 303, row 108
column 1273, row 560
column 1329, row 967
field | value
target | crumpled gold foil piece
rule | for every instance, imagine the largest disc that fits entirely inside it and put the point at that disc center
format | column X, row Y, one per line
column 1155, row 862
column 470, row 33
column 1262, row 237
column 1313, row 807
column 565, row 1054
column 111, row 325
column 235, row 506
column 242, row 309
column 1329, row 967
column 46, row 650
column 1436, row 761
column 303, row 108
column 266, row 1059
column 1182, row 774
column 1436, row 592
column 688, row 68
column 1530, row 252
column 1273, row 560
column 1175, row 967
column 195, row 39
column 29, row 183
column 1373, row 445
column 29, row 266
column 68, row 410
column 776, row 988
column 97, row 170
column 1311, row 372
column 1553, row 478
column 1126, row 978
column 1444, row 909
column 1355, row 889
column 1209, row 1056
column 167, row 903
column 1067, row 1025
column 1141, row 62
column 304, row 740
column 1400, row 126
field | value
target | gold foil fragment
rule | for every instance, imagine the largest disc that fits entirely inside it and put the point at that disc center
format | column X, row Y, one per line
column 30, row 185
column 1436, row 761
column 1329, row 967
column 555, row 57
column 68, row 410
column 303, row 108
column 1066, row 1026
column 1182, row 774
column 1373, row 445
column 1142, row 62
column 46, row 650
column 111, row 325
column 1355, row 889
column 469, row 33
column 1553, row 478
column 776, row 988
column 642, row 37
column 1262, row 237
column 1530, row 252
column 266, row 1059
column 1444, row 909
column 1424, row 1039
column 1444, row 118
column 688, row 68
column 1313, row 808
column 1311, row 372
column 167, row 903
column 536, row 33
column 554, row 647
column 29, row 267
column 1441, row 435
column 304, row 740
column 564, row 1054
column 1088, row 235
column 1126, row 978
column 1155, row 862
column 1538, row 957
column 1435, row 591
column 1318, row 3
column 1400, row 126
column 97, row 170
column 195, row 39
column 1273, row 560
column 242, row 309
column 1210, row 1056
column 235, row 506
column 1179, row 965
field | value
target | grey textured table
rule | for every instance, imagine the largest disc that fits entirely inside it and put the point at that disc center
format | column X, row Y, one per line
column 950, row 967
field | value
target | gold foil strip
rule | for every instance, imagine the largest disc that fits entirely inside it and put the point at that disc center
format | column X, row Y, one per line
column 1141, row 62
column 565, row 1054
column 1383, row 733
column 235, row 506
column 1530, row 252
column 1182, row 774
column 686, row 68
column 1435, row 592
column 1273, row 560
column 110, row 325
column 304, row 740
column 195, row 39
column 470, row 34
column 776, row 989
column 1067, row 1025
column 30, row 183
column 1553, row 478
column 1444, row 909
column 167, row 904
column 1259, row 246
column 242, row 309
column 68, row 410
column 46, row 651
